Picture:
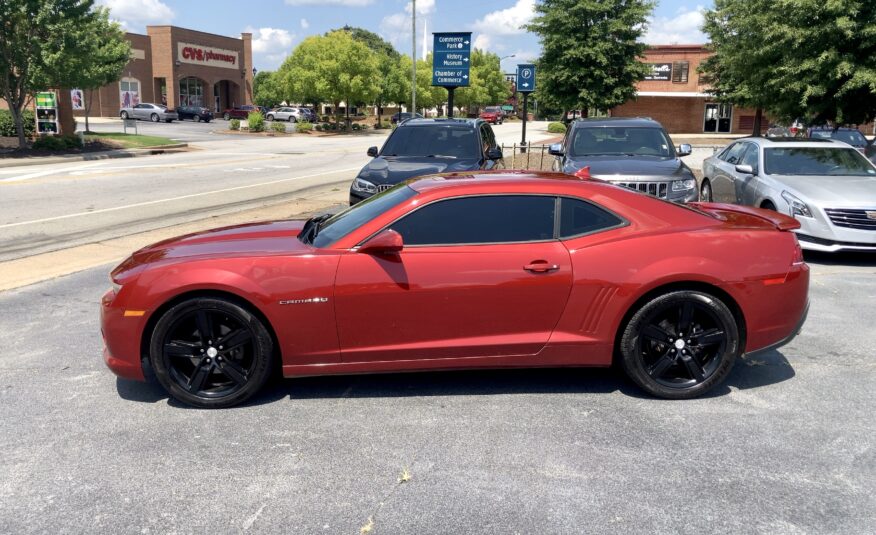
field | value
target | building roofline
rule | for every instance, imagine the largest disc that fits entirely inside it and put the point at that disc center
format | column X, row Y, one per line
column 194, row 31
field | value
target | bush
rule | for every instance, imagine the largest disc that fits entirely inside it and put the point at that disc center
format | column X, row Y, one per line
column 318, row 127
column 234, row 124
column 303, row 127
column 557, row 128
column 256, row 122
column 278, row 127
column 58, row 143
column 7, row 125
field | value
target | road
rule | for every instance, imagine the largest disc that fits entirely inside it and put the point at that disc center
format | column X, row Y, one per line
column 786, row 447
column 46, row 208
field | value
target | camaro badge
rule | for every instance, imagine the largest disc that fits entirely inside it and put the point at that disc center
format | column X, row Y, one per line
column 870, row 215
column 304, row 301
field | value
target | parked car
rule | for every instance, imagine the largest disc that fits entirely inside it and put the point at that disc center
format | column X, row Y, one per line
column 797, row 128
column 633, row 152
column 240, row 112
column 828, row 186
column 149, row 111
column 493, row 114
column 403, row 116
column 285, row 113
column 195, row 113
column 852, row 136
column 424, row 146
column 308, row 115
column 471, row 270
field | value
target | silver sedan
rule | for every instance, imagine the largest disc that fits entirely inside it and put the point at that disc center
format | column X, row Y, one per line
column 150, row 112
column 827, row 185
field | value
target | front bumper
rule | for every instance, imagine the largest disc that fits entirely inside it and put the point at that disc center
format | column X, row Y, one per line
column 357, row 196
column 813, row 243
column 121, row 337
column 819, row 233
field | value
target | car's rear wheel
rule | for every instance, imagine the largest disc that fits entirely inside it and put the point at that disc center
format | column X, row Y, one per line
column 211, row 352
column 292, row 119
column 680, row 345
column 154, row 118
column 706, row 191
column 196, row 118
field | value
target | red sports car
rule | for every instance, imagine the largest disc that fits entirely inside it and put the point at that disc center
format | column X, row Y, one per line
column 490, row 269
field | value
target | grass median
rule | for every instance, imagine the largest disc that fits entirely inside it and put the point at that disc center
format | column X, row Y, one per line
column 128, row 141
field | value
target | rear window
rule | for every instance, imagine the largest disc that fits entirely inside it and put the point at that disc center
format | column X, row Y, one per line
column 578, row 217
column 816, row 161
column 433, row 141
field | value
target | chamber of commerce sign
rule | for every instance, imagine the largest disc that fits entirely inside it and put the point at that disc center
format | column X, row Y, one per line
column 200, row 55
column 660, row 71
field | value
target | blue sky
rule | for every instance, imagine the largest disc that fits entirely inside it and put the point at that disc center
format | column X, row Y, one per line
column 279, row 25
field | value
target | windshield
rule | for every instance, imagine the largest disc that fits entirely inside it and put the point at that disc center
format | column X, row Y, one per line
column 814, row 161
column 437, row 140
column 630, row 141
column 355, row 216
column 852, row 137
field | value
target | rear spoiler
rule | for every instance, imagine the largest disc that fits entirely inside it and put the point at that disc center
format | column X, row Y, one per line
column 735, row 212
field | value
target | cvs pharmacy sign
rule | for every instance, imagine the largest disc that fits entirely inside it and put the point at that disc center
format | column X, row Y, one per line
column 200, row 55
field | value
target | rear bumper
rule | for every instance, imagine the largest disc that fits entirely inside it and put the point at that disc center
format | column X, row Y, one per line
column 788, row 338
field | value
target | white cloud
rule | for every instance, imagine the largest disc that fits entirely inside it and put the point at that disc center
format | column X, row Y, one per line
column 507, row 21
column 482, row 41
column 396, row 28
column 424, row 7
column 270, row 46
column 305, row 24
column 684, row 28
column 348, row 3
column 137, row 14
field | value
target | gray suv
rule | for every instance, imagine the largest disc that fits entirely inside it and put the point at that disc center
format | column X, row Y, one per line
column 636, row 153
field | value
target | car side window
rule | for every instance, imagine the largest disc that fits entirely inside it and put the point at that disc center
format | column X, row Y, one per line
column 734, row 155
column 485, row 140
column 579, row 217
column 480, row 220
column 750, row 157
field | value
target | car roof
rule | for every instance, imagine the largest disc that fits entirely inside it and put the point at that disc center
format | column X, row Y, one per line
column 833, row 129
column 793, row 142
column 497, row 178
column 606, row 122
column 440, row 122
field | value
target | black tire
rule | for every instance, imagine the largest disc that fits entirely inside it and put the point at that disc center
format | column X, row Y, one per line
column 768, row 205
column 269, row 118
column 292, row 119
column 227, row 117
column 196, row 118
column 706, row 191
column 123, row 115
column 672, row 367
column 154, row 118
column 192, row 367
column 168, row 120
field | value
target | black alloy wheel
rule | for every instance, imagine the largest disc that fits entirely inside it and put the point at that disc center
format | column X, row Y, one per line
column 680, row 345
column 210, row 353
column 706, row 191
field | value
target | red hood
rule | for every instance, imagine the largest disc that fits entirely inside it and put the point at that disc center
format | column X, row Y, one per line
column 251, row 239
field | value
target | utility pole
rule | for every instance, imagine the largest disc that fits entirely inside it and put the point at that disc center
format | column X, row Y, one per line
column 413, row 57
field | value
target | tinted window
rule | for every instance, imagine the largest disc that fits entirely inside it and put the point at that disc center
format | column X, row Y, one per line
column 621, row 141
column 750, row 156
column 449, row 141
column 734, row 155
column 816, row 161
column 353, row 217
column 578, row 217
column 486, row 219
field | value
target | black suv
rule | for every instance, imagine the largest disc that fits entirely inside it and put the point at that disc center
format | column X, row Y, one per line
column 636, row 153
column 426, row 146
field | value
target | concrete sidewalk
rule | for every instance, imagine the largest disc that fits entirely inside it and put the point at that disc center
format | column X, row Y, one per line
column 98, row 155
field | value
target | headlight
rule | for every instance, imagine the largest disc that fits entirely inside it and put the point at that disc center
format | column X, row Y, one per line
column 798, row 207
column 364, row 186
column 683, row 185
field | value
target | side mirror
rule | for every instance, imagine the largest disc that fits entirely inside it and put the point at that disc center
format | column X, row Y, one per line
column 684, row 150
column 744, row 169
column 494, row 153
column 386, row 242
column 556, row 149
column 372, row 151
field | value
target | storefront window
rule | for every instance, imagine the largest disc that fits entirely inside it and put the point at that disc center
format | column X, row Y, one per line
column 129, row 92
column 717, row 118
column 191, row 92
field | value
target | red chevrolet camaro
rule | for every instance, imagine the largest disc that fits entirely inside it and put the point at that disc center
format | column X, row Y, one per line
column 490, row 269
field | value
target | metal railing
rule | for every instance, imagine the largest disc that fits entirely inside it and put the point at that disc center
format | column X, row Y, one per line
column 527, row 156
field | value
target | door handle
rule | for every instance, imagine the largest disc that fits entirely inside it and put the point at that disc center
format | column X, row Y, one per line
column 540, row 266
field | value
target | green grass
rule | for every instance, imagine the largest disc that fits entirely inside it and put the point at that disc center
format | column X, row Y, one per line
column 129, row 141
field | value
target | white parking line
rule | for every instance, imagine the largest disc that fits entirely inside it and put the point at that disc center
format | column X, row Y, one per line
column 190, row 196
column 49, row 172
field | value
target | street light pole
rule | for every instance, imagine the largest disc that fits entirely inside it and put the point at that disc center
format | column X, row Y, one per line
column 413, row 57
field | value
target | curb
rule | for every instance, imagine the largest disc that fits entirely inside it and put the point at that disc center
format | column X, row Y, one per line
column 102, row 155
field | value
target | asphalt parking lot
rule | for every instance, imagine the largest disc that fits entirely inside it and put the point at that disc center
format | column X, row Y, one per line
column 786, row 447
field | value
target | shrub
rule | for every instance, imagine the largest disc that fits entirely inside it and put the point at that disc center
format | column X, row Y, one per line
column 57, row 143
column 355, row 126
column 7, row 125
column 303, row 127
column 318, row 127
column 557, row 128
column 234, row 124
column 256, row 122
column 278, row 127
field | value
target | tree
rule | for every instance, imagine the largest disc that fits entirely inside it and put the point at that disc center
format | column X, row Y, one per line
column 330, row 68
column 590, row 50
column 393, row 83
column 795, row 58
column 428, row 96
column 266, row 89
column 35, row 37
column 487, row 84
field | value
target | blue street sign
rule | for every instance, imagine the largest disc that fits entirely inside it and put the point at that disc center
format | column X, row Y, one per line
column 526, row 77
column 451, row 57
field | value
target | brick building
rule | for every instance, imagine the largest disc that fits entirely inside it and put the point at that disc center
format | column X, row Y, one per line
column 675, row 95
column 177, row 66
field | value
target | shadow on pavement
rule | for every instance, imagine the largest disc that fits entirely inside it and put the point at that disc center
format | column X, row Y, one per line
column 840, row 259
column 751, row 372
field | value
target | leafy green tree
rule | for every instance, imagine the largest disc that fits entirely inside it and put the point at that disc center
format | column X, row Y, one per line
column 393, row 83
column 428, row 96
column 35, row 37
column 487, row 84
column 590, row 51
column 266, row 89
column 795, row 58
column 331, row 68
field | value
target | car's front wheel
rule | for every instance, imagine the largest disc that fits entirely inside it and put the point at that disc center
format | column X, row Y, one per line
column 706, row 191
column 680, row 345
column 196, row 118
column 123, row 115
column 269, row 118
column 211, row 352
